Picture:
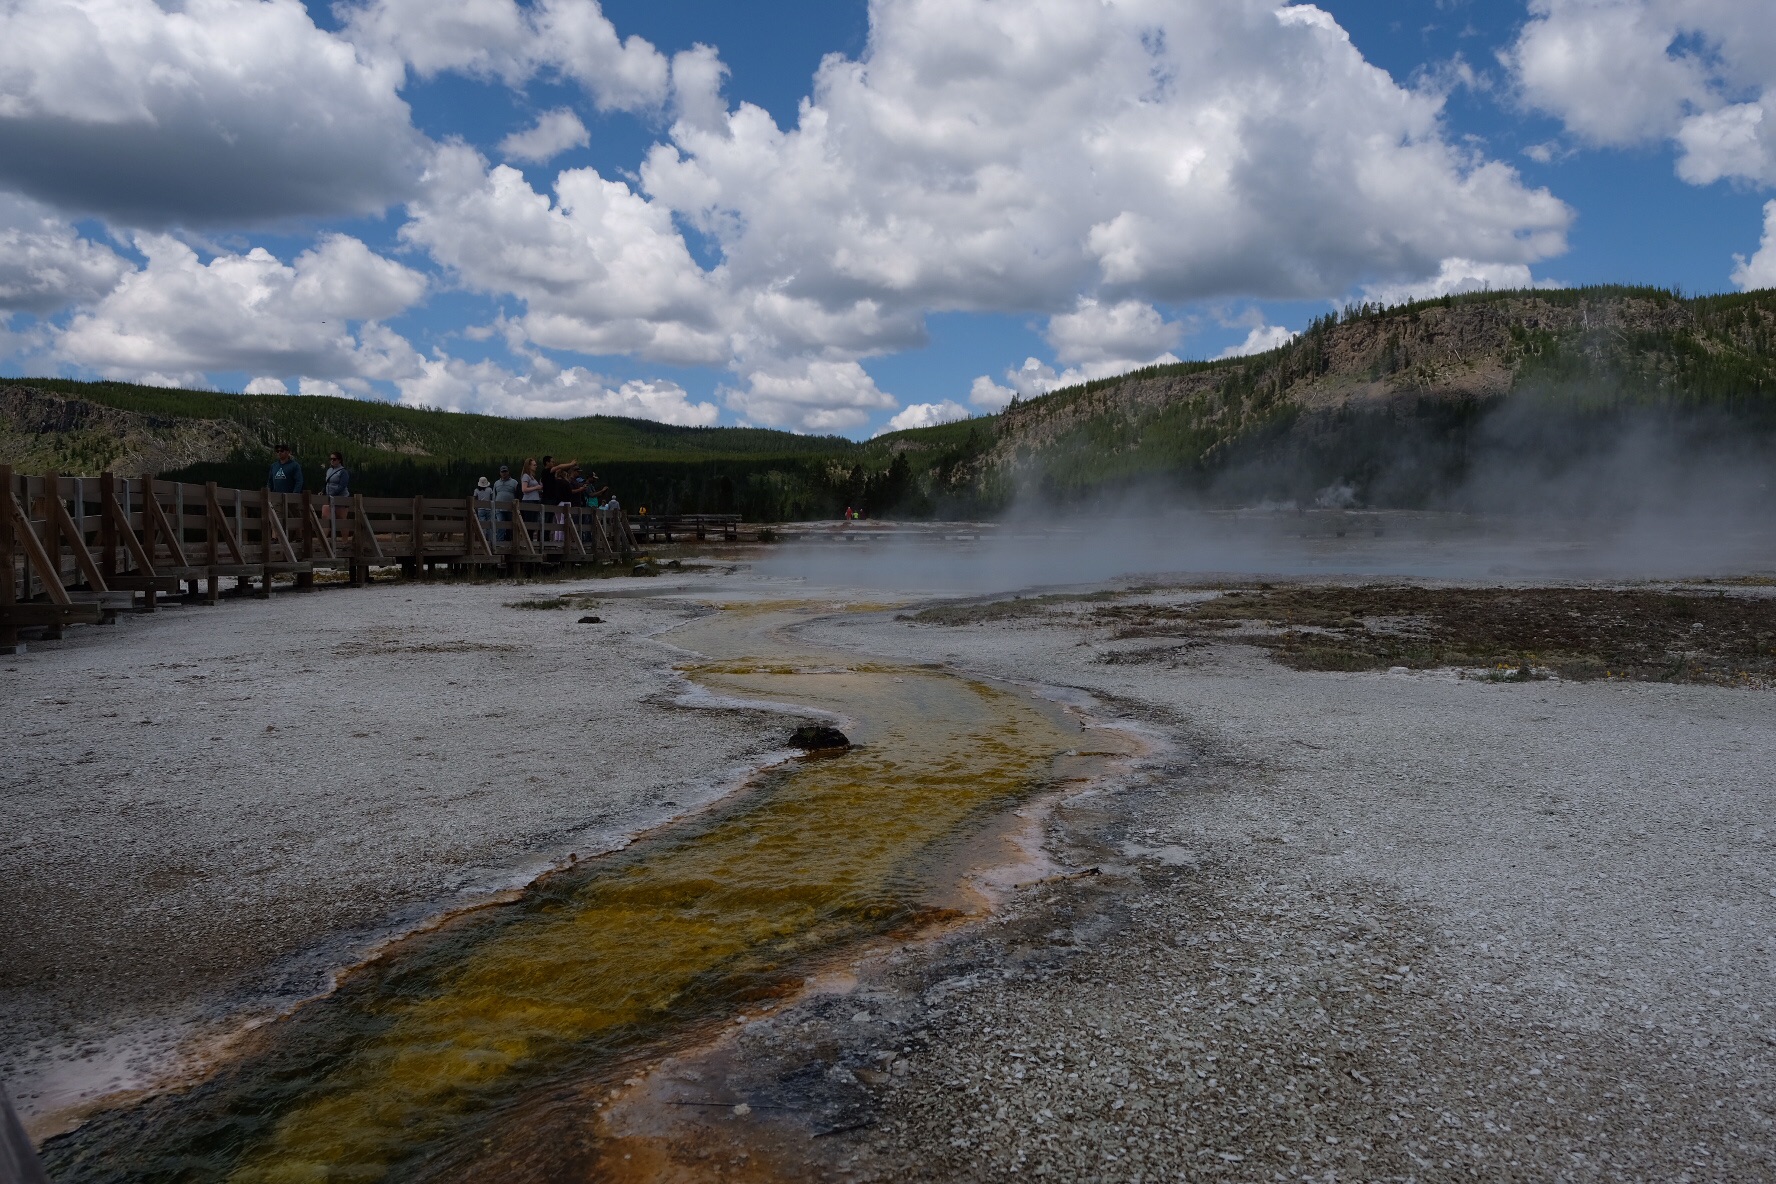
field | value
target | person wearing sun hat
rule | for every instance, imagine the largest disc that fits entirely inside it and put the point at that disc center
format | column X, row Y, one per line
column 483, row 496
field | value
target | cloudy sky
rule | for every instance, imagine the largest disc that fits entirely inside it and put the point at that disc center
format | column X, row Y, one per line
column 833, row 215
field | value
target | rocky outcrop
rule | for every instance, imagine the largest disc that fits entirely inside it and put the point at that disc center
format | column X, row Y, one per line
column 43, row 432
column 1627, row 343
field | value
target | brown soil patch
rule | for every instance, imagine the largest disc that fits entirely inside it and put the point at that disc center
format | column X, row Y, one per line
column 1577, row 633
column 1014, row 609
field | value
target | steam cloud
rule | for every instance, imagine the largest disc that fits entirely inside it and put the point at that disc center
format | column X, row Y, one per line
column 1532, row 490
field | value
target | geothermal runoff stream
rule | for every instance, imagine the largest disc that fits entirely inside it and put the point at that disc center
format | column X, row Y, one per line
column 403, row 1069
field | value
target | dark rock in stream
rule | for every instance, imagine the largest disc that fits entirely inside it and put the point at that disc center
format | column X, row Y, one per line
column 818, row 737
column 591, row 620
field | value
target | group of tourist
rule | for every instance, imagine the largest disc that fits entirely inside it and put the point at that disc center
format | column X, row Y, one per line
column 285, row 474
column 547, row 483
column 539, row 483
column 544, row 482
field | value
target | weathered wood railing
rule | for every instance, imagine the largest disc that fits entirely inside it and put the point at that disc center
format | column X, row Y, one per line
column 79, row 549
column 660, row 528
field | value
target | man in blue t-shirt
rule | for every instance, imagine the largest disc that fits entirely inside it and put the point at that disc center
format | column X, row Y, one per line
column 285, row 475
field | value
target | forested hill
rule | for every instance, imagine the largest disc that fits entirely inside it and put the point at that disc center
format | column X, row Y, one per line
column 80, row 427
column 1397, row 406
column 1390, row 406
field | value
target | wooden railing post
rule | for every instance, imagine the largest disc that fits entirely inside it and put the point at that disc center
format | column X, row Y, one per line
column 474, row 528
column 141, row 552
column 52, row 537
column 358, row 521
column 214, row 526
column 364, row 544
column 265, row 539
column 37, row 557
column 305, row 580
column 418, row 536
column 60, row 519
column 308, row 538
column 9, row 642
column 150, row 521
column 107, row 527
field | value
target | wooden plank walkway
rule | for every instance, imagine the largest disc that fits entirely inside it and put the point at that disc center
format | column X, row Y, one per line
column 79, row 550
column 659, row 528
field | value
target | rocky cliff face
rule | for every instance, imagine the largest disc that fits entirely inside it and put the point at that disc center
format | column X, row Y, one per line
column 42, row 432
column 1627, row 345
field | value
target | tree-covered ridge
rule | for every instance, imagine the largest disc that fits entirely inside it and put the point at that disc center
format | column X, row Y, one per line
column 1366, row 371
column 1339, row 403
column 315, row 424
column 79, row 427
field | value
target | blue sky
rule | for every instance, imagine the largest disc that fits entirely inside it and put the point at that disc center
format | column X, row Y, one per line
column 558, row 207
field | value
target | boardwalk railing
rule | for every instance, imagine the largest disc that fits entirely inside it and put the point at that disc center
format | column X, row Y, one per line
column 80, row 549
column 659, row 528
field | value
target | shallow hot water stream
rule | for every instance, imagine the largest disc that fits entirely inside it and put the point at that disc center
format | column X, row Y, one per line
column 418, row 1055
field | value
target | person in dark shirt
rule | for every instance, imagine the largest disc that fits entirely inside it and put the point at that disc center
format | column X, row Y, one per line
column 285, row 474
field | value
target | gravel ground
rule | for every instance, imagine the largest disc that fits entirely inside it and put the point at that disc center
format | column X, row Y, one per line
column 205, row 813
column 1338, row 926
column 1343, row 926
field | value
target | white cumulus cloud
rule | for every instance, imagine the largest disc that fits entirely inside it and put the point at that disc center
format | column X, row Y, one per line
column 1700, row 74
column 180, row 316
column 207, row 111
column 1094, row 340
column 925, row 415
column 992, row 156
column 547, row 391
column 1759, row 271
column 321, row 388
column 811, row 395
column 1036, row 377
column 45, row 264
column 553, row 133
column 1261, row 339
column 1086, row 161
column 601, row 270
column 502, row 39
column 1456, row 276
column 1097, row 332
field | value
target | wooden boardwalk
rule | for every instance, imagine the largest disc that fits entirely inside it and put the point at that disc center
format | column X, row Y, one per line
column 79, row 550
column 659, row 528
